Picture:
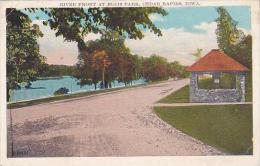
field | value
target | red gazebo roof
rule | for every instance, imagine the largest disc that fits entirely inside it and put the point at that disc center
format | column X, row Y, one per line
column 216, row 60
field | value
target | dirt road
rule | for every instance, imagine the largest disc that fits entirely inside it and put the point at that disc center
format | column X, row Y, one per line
column 117, row 124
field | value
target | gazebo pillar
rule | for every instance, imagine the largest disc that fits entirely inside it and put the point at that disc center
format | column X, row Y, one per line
column 242, row 87
column 193, row 85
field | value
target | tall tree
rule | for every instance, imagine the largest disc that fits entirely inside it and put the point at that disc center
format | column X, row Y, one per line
column 117, row 53
column 126, row 68
column 23, row 56
column 155, row 68
column 244, row 52
column 228, row 35
column 232, row 40
column 175, row 69
column 85, row 72
column 101, row 63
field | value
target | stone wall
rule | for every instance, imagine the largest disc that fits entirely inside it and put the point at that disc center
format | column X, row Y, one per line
column 217, row 95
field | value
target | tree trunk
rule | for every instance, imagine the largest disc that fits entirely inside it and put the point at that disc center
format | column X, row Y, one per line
column 106, row 84
column 103, row 78
column 17, row 75
column 8, row 93
column 95, row 86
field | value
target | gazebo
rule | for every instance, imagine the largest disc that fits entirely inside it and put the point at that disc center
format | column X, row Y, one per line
column 217, row 67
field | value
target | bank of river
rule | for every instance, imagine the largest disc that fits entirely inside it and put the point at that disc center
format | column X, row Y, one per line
column 43, row 88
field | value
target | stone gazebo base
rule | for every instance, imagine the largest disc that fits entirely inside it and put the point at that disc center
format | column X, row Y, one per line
column 217, row 95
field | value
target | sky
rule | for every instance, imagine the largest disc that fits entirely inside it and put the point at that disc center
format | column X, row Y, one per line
column 184, row 30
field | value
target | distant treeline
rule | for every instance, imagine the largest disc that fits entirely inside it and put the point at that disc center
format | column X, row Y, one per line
column 108, row 58
column 131, row 67
column 47, row 70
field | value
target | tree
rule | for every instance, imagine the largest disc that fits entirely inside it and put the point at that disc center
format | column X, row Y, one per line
column 122, row 67
column 172, row 69
column 84, row 70
column 175, row 69
column 75, row 23
column 114, row 44
column 197, row 54
column 23, row 56
column 126, row 68
column 155, row 68
column 101, row 63
column 232, row 40
column 244, row 52
column 228, row 35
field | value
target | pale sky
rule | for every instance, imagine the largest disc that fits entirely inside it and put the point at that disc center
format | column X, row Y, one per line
column 184, row 30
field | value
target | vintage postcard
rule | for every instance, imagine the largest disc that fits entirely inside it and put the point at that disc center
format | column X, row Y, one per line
column 129, row 83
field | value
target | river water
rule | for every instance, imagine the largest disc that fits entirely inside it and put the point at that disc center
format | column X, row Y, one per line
column 46, row 88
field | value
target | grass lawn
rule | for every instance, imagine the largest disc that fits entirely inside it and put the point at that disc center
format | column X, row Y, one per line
column 179, row 96
column 226, row 127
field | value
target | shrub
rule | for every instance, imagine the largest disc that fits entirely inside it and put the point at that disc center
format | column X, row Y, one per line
column 61, row 91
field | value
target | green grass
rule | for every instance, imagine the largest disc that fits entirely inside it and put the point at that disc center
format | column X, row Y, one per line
column 226, row 127
column 179, row 96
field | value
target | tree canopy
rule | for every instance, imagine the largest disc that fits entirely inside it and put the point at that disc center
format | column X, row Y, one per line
column 23, row 55
column 228, row 35
column 117, row 54
column 75, row 23
column 232, row 40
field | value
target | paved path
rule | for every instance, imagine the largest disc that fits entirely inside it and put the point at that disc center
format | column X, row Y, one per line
column 115, row 124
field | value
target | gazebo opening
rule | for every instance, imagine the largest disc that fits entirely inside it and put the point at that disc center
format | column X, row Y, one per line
column 222, row 81
column 216, row 77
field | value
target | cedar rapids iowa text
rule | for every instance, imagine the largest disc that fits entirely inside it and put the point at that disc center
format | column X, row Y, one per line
column 129, row 4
